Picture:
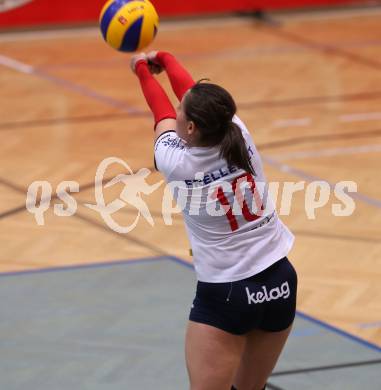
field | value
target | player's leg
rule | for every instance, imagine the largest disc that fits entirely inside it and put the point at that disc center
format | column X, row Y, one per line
column 212, row 356
column 265, row 343
column 260, row 355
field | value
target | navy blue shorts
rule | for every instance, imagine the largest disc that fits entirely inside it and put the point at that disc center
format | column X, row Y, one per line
column 264, row 301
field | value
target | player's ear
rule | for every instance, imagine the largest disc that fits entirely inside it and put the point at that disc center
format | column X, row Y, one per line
column 191, row 127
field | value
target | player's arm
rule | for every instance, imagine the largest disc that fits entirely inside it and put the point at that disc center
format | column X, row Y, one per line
column 158, row 101
column 179, row 77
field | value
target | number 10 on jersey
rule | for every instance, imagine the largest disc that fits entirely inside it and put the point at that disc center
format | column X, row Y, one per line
column 238, row 197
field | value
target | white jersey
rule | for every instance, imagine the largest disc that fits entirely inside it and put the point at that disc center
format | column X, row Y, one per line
column 233, row 228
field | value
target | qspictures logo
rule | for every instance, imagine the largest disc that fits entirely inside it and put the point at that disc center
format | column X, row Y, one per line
column 242, row 198
column 135, row 185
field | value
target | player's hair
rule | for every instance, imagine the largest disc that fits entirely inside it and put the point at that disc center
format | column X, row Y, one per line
column 212, row 108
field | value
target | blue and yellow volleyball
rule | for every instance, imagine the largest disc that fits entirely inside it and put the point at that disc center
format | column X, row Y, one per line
column 129, row 25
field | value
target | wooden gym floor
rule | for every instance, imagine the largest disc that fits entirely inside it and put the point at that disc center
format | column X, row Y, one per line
column 308, row 88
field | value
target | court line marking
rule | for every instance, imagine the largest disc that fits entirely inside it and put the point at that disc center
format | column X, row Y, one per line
column 140, row 243
column 22, row 67
column 189, row 265
column 13, row 186
column 126, row 237
column 117, row 115
column 25, row 68
column 304, row 175
column 323, row 48
column 199, row 24
column 292, row 102
column 346, row 118
column 9, row 212
column 360, row 117
column 242, row 52
column 275, row 163
column 23, row 125
column 178, row 218
column 325, row 368
column 16, row 65
column 343, row 12
column 331, row 236
column 304, row 154
column 170, row 25
column 339, row 331
column 370, row 325
column 90, row 93
column 271, row 386
column 318, row 138
column 19, row 66
column 101, row 264
column 156, row 214
column 54, row 196
column 17, row 189
column 292, row 122
column 49, row 34
column 91, row 184
column 94, row 30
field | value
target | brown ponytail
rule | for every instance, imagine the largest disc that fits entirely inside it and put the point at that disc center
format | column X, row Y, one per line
column 212, row 108
column 234, row 150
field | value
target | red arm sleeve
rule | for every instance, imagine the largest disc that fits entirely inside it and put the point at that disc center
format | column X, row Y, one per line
column 179, row 77
column 155, row 95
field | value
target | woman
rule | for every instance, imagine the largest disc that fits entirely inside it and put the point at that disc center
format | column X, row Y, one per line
column 246, row 293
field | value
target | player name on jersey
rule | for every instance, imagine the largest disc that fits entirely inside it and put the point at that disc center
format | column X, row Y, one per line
column 210, row 177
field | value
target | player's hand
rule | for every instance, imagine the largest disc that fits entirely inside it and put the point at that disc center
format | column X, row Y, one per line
column 135, row 59
column 151, row 56
column 154, row 66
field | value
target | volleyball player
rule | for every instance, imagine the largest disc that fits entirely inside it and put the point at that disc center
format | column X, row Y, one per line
column 246, row 292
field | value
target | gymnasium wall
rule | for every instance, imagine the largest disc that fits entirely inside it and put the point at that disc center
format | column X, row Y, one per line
column 28, row 13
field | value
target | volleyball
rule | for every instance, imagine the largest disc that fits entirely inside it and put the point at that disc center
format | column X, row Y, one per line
column 129, row 25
